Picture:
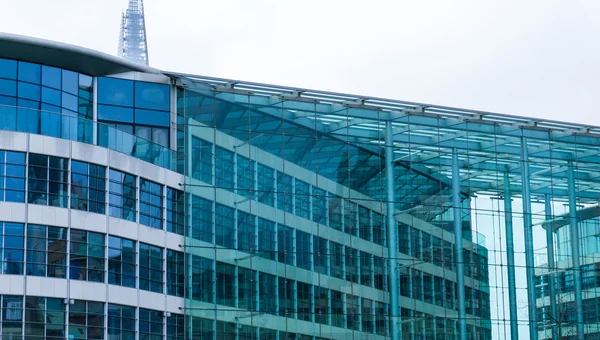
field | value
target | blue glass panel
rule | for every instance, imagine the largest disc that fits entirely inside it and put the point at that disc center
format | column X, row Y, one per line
column 51, row 77
column 29, row 72
column 8, row 87
column 70, row 82
column 8, row 114
column 152, row 96
column 85, row 82
column 115, row 113
column 8, row 68
column 50, row 108
column 150, row 117
column 115, row 91
column 68, row 112
column 50, row 96
column 69, row 101
column 29, row 91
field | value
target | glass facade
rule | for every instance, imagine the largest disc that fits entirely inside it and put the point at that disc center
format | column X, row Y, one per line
column 197, row 208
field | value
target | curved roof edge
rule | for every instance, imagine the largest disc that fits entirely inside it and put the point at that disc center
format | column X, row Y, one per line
column 67, row 56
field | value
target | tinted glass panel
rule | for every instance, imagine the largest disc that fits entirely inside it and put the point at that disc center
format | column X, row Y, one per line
column 150, row 117
column 29, row 72
column 115, row 113
column 115, row 91
column 8, row 68
column 152, row 96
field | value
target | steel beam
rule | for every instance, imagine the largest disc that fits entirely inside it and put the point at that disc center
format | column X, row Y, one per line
column 392, row 235
column 460, row 266
column 528, row 235
column 510, row 260
column 551, row 278
column 575, row 251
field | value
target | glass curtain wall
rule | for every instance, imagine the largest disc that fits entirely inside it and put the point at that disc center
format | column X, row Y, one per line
column 300, row 227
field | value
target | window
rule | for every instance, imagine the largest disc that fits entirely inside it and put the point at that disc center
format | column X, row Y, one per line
column 245, row 177
column 321, row 257
column 46, row 251
column 151, row 324
column 368, row 319
column 266, row 184
column 381, row 318
column 379, row 266
column 12, row 317
column 202, row 277
column 364, row 223
column 202, row 219
column 319, row 205
column 351, row 265
column 302, row 199
column 121, row 322
column 12, row 245
column 352, row 312
column 176, row 327
column 303, row 250
column 224, row 226
column 224, row 169
column 337, row 259
column 245, row 232
column 366, row 269
column 151, row 204
column 202, row 158
column 115, row 91
column 321, row 305
column 48, row 180
column 266, row 239
column 285, row 192
column 8, row 69
column 285, row 244
column 175, row 273
column 151, row 268
column 152, row 96
column 337, row 308
column 335, row 212
column 88, row 187
column 225, row 284
column 378, row 229
column 175, row 211
column 304, row 301
column 121, row 261
column 287, row 295
column 87, row 256
column 267, row 295
column 122, row 198
column 246, row 289
column 86, row 320
column 12, row 176
column 29, row 72
column 44, row 318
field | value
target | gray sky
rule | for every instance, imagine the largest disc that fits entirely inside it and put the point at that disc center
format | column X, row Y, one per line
column 534, row 58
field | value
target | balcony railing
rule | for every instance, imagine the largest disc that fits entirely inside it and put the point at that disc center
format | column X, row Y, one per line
column 22, row 119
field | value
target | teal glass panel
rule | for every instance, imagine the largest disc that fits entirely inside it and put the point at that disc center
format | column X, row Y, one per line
column 152, row 96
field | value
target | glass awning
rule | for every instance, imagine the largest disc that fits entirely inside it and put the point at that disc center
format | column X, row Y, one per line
column 322, row 124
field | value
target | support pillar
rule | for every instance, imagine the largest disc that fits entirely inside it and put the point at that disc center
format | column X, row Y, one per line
column 510, row 260
column 460, row 266
column 551, row 277
column 392, row 233
column 575, row 251
column 528, row 235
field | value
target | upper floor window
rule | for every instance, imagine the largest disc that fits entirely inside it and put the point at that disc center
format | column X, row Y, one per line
column 87, row 256
column 46, row 251
column 151, row 204
column 175, row 211
column 121, row 261
column 12, row 246
column 88, row 187
column 48, row 180
column 12, row 176
column 151, row 268
column 123, row 196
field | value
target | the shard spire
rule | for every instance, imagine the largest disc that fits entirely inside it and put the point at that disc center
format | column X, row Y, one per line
column 132, row 41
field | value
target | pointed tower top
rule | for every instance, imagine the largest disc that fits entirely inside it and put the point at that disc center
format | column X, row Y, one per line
column 132, row 41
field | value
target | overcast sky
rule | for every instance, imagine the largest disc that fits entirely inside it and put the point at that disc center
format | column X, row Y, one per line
column 534, row 58
column 531, row 58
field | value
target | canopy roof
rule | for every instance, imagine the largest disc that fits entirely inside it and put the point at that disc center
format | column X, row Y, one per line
column 489, row 144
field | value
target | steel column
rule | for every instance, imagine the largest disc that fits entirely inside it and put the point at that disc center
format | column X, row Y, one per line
column 551, row 278
column 460, row 266
column 510, row 260
column 575, row 250
column 528, row 235
column 392, row 233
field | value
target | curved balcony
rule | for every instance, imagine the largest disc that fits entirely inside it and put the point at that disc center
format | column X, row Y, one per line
column 21, row 119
